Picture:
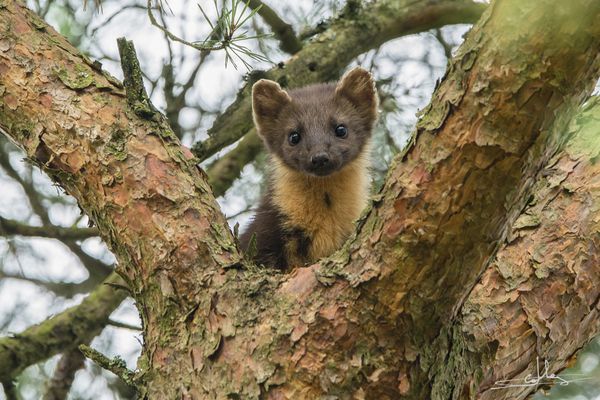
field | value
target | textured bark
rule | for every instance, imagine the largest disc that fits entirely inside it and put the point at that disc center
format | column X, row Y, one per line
column 376, row 319
column 480, row 144
column 540, row 297
column 131, row 176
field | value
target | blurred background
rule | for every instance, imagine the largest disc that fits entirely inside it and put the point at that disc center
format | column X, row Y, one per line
column 50, row 260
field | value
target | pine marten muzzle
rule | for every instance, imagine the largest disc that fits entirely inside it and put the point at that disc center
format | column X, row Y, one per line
column 318, row 139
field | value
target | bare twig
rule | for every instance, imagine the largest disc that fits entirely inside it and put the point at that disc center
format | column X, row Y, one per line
column 32, row 194
column 11, row 227
column 119, row 324
column 96, row 268
column 437, row 33
column 107, row 20
column 176, row 102
column 64, row 289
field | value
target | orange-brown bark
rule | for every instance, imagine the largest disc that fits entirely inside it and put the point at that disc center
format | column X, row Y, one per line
column 130, row 175
column 373, row 320
column 446, row 208
column 539, row 300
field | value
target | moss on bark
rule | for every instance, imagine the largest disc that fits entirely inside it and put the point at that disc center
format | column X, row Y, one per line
column 367, row 322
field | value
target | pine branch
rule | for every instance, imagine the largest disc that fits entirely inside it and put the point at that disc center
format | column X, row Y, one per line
column 226, row 28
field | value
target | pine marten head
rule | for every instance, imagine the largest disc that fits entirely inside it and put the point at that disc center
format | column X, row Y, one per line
column 320, row 128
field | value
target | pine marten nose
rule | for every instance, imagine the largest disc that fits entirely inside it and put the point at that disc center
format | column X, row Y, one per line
column 320, row 160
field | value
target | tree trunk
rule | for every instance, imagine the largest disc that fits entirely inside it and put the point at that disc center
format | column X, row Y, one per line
column 540, row 296
column 396, row 312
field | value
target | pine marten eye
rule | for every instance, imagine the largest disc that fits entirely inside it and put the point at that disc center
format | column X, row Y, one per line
column 294, row 138
column 341, row 131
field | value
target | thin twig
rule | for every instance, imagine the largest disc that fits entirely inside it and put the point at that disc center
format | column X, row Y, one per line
column 437, row 33
column 11, row 227
column 116, row 365
column 227, row 25
column 118, row 324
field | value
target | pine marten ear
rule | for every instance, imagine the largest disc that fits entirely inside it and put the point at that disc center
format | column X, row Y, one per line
column 357, row 85
column 268, row 99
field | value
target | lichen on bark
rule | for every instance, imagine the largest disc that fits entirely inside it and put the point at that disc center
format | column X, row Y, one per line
column 376, row 319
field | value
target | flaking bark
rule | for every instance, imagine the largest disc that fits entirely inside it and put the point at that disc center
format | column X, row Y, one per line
column 371, row 321
column 540, row 296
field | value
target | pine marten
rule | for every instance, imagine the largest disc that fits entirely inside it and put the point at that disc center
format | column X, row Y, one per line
column 318, row 141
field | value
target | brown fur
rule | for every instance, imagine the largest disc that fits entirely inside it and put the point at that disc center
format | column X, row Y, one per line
column 309, row 209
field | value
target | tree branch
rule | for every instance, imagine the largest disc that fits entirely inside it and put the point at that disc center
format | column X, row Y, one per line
column 176, row 102
column 28, row 188
column 322, row 59
column 225, row 170
column 118, row 324
column 539, row 298
column 464, row 179
column 65, row 289
column 365, row 321
column 11, row 227
column 182, row 221
column 438, row 221
column 132, row 80
column 116, row 365
column 284, row 32
column 63, row 332
column 64, row 374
